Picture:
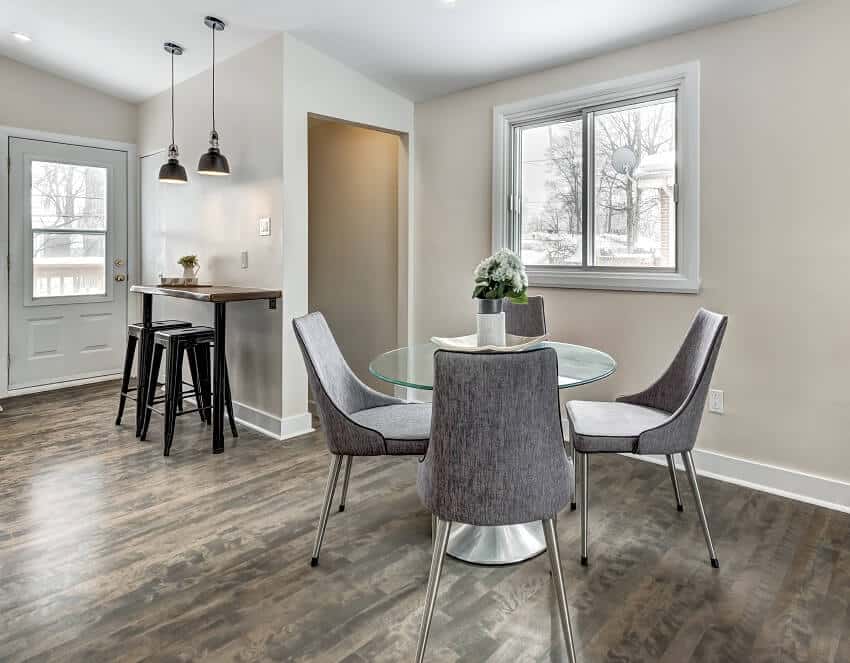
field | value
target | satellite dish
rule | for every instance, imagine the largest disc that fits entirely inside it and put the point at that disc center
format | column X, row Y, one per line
column 624, row 160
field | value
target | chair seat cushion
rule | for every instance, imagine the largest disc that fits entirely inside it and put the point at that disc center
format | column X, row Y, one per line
column 610, row 427
column 406, row 428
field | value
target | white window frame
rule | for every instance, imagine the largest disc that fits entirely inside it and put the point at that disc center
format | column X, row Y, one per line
column 684, row 79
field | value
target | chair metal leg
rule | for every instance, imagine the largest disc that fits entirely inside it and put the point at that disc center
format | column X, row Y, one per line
column 575, row 472
column 558, row 580
column 145, row 351
column 348, row 461
column 585, row 507
column 203, row 358
column 672, row 467
column 333, row 477
column 125, row 377
column 153, row 376
column 687, row 457
column 180, row 388
column 173, row 389
column 441, row 542
column 192, row 357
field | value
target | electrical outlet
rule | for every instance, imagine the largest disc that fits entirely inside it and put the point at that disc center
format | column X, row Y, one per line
column 265, row 226
column 244, row 260
column 715, row 401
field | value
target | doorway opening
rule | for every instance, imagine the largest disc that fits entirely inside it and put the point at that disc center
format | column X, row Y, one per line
column 355, row 202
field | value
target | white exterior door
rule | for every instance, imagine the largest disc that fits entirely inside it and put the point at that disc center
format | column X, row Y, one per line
column 68, row 262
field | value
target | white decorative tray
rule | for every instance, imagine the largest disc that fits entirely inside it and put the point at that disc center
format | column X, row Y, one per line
column 177, row 281
column 470, row 343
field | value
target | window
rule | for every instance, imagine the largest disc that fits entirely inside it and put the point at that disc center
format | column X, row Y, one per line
column 598, row 188
column 68, row 215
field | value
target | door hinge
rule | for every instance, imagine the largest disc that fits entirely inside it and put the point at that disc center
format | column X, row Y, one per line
column 9, row 163
column 676, row 193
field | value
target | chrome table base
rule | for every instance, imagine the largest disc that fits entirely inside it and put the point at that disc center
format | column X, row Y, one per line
column 494, row 546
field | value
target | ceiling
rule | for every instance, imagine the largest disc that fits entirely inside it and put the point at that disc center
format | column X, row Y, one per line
column 420, row 48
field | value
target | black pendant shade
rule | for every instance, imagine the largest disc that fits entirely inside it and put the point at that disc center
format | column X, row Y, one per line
column 172, row 172
column 213, row 162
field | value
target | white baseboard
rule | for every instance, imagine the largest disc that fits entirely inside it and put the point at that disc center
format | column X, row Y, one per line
column 800, row 486
column 269, row 424
column 257, row 420
column 298, row 424
column 26, row 391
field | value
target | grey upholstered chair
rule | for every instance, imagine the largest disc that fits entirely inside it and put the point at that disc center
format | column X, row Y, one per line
column 662, row 420
column 356, row 420
column 496, row 455
column 525, row 319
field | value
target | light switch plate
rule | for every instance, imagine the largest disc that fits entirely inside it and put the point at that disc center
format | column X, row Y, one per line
column 265, row 226
column 244, row 259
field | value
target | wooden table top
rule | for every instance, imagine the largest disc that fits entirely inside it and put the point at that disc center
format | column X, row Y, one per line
column 208, row 293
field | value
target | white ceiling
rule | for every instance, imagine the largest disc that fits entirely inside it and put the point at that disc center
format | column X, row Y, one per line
column 420, row 48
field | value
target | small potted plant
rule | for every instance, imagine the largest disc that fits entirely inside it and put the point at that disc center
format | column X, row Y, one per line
column 190, row 267
column 501, row 276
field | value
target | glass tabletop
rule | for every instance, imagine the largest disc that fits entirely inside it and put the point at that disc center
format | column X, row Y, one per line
column 414, row 366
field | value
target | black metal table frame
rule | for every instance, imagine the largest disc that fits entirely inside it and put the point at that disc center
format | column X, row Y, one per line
column 219, row 364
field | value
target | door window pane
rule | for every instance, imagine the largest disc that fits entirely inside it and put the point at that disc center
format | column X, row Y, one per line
column 634, row 184
column 551, row 181
column 68, row 197
column 68, row 264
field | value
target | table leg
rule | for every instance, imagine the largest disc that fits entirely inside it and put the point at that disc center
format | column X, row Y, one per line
column 218, row 379
column 141, row 375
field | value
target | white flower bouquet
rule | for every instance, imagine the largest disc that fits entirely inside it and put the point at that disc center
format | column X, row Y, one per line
column 500, row 276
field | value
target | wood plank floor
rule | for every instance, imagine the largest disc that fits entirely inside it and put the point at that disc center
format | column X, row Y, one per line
column 110, row 552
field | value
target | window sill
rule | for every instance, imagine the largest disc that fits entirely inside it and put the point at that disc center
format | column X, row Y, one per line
column 642, row 281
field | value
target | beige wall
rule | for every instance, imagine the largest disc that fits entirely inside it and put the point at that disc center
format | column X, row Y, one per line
column 318, row 85
column 216, row 217
column 353, row 237
column 775, row 231
column 34, row 99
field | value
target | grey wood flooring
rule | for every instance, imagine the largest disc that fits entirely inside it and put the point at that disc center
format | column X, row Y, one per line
column 110, row 552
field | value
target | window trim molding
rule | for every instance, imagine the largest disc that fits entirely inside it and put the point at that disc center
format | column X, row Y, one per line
column 685, row 78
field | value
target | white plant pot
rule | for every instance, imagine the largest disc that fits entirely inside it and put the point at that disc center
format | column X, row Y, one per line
column 491, row 329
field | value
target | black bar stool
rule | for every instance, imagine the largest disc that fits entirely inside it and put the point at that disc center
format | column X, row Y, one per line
column 193, row 343
column 134, row 336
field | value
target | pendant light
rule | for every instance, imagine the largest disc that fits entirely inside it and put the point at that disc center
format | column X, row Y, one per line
column 213, row 162
column 172, row 172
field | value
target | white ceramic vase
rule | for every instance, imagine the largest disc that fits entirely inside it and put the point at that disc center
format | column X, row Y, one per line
column 490, row 323
column 190, row 274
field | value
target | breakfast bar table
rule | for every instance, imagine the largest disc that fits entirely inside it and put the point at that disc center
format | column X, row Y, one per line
column 413, row 367
column 219, row 296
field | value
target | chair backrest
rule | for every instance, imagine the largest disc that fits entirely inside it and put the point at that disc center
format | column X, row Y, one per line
column 496, row 455
column 337, row 390
column 683, row 388
column 525, row 319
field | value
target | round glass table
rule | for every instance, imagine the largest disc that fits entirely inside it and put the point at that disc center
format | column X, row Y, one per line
column 414, row 367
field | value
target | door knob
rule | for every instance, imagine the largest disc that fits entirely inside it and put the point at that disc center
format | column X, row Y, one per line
column 120, row 277
column 118, row 262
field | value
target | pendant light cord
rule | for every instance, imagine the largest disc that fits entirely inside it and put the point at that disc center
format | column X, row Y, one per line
column 213, row 78
column 172, row 97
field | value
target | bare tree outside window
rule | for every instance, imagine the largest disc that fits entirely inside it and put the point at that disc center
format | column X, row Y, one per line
column 66, row 198
column 552, row 191
column 633, row 221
